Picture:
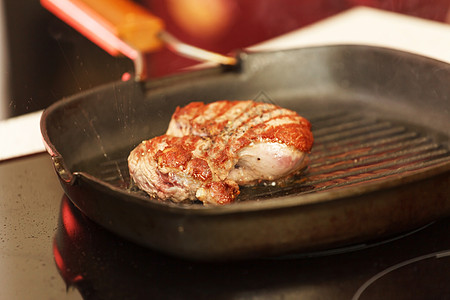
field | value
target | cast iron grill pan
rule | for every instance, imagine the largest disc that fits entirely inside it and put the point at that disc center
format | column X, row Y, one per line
column 380, row 164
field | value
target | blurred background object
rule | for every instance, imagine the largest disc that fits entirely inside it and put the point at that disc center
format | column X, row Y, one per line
column 48, row 60
column 3, row 66
column 44, row 60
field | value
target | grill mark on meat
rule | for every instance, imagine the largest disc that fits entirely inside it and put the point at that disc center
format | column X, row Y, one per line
column 208, row 120
column 231, row 112
column 262, row 124
column 182, row 123
column 256, row 114
column 204, row 123
column 253, row 123
column 203, row 120
column 235, row 110
column 290, row 134
column 259, row 117
column 258, row 128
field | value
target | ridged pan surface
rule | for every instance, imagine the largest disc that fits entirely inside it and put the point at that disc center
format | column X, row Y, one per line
column 380, row 164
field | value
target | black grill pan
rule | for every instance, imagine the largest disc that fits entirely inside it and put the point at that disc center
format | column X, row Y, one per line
column 380, row 164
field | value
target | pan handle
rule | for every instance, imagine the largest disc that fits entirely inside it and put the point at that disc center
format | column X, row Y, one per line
column 118, row 26
column 124, row 27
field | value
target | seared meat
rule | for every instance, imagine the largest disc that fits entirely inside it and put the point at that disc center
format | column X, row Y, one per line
column 178, row 168
column 208, row 150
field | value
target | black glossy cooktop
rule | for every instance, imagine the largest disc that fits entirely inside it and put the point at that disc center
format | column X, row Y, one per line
column 49, row 250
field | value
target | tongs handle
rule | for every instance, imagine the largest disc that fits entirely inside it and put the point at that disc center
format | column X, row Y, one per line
column 118, row 26
column 124, row 27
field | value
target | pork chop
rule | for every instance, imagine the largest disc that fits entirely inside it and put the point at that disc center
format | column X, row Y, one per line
column 211, row 149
